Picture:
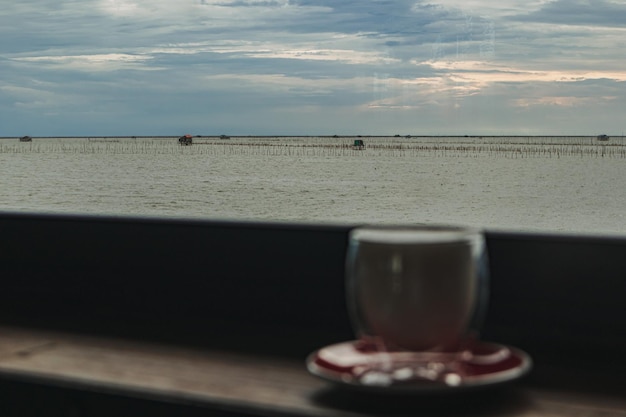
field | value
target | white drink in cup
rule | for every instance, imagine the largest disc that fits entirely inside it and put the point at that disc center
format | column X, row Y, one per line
column 415, row 288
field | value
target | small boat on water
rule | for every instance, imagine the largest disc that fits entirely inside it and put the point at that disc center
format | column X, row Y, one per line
column 185, row 140
column 26, row 139
column 602, row 138
column 358, row 144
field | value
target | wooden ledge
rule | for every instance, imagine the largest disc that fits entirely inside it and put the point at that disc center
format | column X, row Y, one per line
column 247, row 384
column 217, row 379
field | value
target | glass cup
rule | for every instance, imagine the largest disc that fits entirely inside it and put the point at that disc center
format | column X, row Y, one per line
column 416, row 296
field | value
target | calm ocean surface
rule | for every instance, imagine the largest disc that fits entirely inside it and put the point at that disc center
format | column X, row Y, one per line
column 512, row 183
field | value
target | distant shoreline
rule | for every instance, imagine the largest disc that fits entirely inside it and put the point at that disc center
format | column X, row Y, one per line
column 314, row 136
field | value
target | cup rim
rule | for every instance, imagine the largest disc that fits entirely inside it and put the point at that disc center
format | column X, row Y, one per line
column 413, row 234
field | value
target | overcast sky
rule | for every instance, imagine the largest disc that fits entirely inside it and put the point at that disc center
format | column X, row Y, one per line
column 301, row 67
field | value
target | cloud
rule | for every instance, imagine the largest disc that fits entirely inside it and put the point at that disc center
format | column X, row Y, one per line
column 158, row 62
column 247, row 3
column 492, row 8
column 561, row 101
column 96, row 62
column 485, row 72
column 25, row 97
column 601, row 13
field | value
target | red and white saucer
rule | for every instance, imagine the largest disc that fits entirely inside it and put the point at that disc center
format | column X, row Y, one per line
column 361, row 365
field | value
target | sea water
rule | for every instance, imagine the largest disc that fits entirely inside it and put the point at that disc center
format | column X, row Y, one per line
column 513, row 183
